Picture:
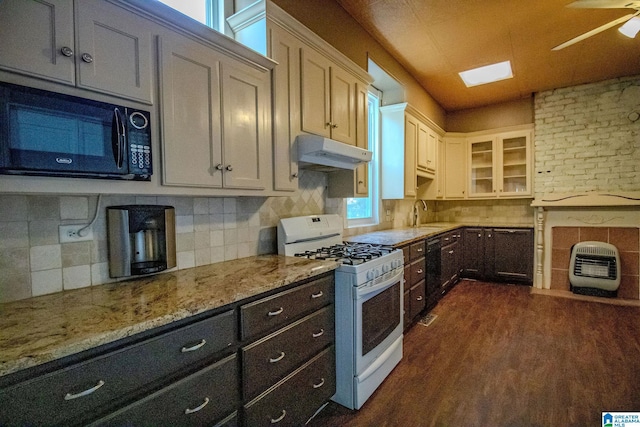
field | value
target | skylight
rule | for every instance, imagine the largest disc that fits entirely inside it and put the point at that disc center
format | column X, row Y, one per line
column 487, row 74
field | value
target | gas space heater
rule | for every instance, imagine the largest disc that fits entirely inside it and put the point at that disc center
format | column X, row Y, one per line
column 594, row 269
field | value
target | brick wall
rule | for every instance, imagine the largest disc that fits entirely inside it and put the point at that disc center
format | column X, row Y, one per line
column 587, row 138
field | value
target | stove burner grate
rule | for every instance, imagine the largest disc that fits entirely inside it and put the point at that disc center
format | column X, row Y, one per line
column 348, row 253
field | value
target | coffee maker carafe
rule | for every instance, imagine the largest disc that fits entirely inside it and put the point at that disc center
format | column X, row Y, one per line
column 141, row 239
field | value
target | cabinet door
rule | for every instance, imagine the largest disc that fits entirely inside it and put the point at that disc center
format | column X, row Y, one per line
column 343, row 106
column 362, row 138
column 513, row 260
column 455, row 168
column 482, row 167
column 245, row 111
column 410, row 138
column 113, row 53
column 285, row 50
column 515, row 165
column 422, row 159
column 315, row 105
column 33, row 34
column 473, row 253
column 190, row 111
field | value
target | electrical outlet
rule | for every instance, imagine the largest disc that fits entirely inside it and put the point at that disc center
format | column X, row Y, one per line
column 69, row 233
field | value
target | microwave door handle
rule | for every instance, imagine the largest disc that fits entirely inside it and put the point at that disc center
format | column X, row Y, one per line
column 120, row 134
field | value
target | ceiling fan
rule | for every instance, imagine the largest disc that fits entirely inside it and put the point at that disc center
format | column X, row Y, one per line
column 631, row 21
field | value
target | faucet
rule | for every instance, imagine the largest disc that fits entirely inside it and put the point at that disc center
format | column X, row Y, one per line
column 415, row 210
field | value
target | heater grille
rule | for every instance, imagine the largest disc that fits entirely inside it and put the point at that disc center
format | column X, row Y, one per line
column 594, row 265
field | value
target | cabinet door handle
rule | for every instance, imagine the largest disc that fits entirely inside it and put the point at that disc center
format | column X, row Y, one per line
column 328, row 124
column 280, row 418
column 450, row 252
column 334, row 126
column 197, row 408
column 318, row 295
column 419, row 271
column 320, row 384
column 318, row 334
column 419, row 249
column 277, row 359
column 87, row 58
column 194, row 348
column 275, row 313
column 229, row 168
column 219, row 167
column 71, row 396
column 419, row 298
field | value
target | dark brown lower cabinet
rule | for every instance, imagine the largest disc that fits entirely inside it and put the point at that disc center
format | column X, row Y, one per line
column 200, row 371
column 297, row 397
column 498, row 254
column 202, row 398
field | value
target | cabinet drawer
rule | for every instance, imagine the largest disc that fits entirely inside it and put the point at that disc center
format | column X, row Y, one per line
column 271, row 313
column 203, row 398
column 417, row 271
column 297, row 397
column 80, row 389
column 418, row 298
column 273, row 357
column 416, row 250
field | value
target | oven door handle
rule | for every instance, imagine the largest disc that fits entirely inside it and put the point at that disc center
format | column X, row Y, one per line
column 365, row 291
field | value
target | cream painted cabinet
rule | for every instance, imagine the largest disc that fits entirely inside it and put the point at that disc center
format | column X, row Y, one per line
column 284, row 48
column 362, row 138
column 215, row 113
column 500, row 165
column 426, row 142
column 91, row 44
column 455, row 156
column 411, row 133
column 328, row 98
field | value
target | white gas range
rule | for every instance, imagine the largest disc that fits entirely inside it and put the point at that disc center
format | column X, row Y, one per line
column 369, row 302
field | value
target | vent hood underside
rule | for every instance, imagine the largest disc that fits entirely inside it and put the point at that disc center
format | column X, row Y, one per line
column 324, row 154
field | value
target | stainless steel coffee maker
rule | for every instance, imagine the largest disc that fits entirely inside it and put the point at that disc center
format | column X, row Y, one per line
column 142, row 239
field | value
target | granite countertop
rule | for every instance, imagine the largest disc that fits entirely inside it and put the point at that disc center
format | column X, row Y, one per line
column 404, row 236
column 41, row 329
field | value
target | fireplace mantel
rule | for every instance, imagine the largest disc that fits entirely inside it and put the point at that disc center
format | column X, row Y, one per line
column 590, row 209
column 589, row 199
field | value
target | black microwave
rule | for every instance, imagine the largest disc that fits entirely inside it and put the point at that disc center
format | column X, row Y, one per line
column 50, row 134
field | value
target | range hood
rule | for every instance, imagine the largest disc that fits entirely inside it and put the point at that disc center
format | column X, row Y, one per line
column 324, row 154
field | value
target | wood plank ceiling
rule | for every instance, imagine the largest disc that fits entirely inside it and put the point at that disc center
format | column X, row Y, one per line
column 436, row 39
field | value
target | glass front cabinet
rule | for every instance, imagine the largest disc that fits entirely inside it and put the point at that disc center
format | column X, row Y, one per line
column 500, row 165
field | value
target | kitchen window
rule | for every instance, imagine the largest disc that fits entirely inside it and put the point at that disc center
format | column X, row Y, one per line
column 363, row 211
column 208, row 12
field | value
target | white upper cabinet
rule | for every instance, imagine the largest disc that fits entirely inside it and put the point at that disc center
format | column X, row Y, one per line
column 500, row 165
column 328, row 98
column 284, row 48
column 427, row 146
column 454, row 176
column 105, row 48
column 215, row 116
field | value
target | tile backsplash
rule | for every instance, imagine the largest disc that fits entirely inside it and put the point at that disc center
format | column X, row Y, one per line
column 33, row 261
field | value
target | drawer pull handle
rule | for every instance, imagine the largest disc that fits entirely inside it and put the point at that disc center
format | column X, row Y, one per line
column 450, row 252
column 318, row 334
column 419, row 298
column 275, row 313
column 419, row 249
column 193, row 348
column 197, row 408
column 318, row 295
column 70, row 396
column 280, row 418
column 277, row 359
column 419, row 271
column 320, row 384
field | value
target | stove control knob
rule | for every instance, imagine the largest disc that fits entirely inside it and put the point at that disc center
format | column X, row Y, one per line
column 370, row 275
column 385, row 268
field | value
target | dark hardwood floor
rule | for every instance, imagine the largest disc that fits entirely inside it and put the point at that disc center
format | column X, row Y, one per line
column 497, row 355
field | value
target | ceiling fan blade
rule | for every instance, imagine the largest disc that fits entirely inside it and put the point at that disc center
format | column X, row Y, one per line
column 594, row 31
column 605, row 4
